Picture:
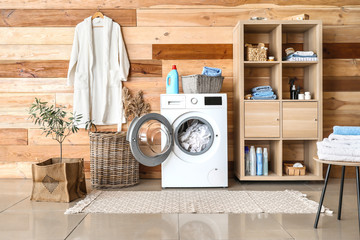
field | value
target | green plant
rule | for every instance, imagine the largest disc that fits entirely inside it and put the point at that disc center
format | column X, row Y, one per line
column 54, row 121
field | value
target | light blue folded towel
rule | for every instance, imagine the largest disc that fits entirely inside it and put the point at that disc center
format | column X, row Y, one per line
column 346, row 130
column 263, row 94
column 261, row 89
column 273, row 97
column 213, row 72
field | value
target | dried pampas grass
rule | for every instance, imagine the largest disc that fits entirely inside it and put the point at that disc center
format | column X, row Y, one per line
column 134, row 106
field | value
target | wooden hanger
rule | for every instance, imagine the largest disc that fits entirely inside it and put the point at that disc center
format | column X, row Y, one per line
column 97, row 14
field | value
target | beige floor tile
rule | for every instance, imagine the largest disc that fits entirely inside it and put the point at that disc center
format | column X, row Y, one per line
column 300, row 226
column 334, row 186
column 36, row 220
column 7, row 200
column 34, row 206
column 230, row 226
column 328, row 234
column 30, row 225
column 15, row 186
column 127, row 226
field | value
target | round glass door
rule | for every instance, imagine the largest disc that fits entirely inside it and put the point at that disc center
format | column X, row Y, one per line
column 150, row 138
column 153, row 138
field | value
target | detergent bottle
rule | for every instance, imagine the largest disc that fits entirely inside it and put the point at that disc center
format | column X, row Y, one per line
column 172, row 81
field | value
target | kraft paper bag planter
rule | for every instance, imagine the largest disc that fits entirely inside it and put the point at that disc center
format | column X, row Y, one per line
column 58, row 182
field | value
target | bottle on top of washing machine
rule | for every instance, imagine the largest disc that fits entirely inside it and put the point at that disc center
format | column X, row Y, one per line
column 172, row 81
column 247, row 161
column 252, row 161
column 266, row 163
column 259, row 162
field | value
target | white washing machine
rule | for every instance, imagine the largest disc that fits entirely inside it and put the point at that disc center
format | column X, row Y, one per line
column 157, row 139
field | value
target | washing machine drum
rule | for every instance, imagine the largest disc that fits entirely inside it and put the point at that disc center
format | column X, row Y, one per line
column 151, row 139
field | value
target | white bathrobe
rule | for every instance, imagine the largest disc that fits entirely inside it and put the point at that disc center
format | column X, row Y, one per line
column 98, row 64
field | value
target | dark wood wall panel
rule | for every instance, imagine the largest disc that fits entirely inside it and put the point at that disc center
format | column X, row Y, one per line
column 59, row 69
column 192, row 51
column 61, row 18
column 341, row 50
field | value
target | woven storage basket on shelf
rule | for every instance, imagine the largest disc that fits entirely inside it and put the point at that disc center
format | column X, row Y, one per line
column 256, row 53
column 199, row 83
column 112, row 164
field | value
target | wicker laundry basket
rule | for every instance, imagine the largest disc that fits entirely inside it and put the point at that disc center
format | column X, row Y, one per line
column 199, row 83
column 112, row 164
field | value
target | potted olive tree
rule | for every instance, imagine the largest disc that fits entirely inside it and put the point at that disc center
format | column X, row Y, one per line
column 57, row 179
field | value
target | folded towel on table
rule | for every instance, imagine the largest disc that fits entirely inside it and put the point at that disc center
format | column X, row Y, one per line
column 264, row 97
column 350, row 138
column 328, row 157
column 346, row 130
column 213, row 72
column 261, row 89
column 326, row 142
column 263, row 94
column 338, row 148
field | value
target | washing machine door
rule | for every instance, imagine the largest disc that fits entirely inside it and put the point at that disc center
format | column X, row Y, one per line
column 151, row 139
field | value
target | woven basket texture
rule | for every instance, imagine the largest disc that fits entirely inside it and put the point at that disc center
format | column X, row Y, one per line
column 112, row 164
column 256, row 54
column 199, row 83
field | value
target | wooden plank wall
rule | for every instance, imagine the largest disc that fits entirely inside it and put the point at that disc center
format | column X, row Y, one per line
column 36, row 38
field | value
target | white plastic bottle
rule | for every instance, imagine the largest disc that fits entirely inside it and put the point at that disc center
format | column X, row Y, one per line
column 266, row 162
column 252, row 161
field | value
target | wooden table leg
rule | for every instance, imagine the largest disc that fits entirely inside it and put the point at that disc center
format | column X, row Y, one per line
column 341, row 192
column 322, row 197
column 358, row 192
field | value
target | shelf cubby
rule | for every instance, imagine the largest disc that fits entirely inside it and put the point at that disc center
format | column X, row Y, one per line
column 269, row 34
column 260, row 75
column 301, row 151
column 274, row 147
column 289, row 128
column 307, row 79
column 301, row 37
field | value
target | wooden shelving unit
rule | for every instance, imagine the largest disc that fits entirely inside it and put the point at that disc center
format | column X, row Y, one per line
column 288, row 128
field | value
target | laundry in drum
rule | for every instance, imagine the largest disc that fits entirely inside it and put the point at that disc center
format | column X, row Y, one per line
column 194, row 136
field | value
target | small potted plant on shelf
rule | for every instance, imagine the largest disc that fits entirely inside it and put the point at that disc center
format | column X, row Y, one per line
column 57, row 179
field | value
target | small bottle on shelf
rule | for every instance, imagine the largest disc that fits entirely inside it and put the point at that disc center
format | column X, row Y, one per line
column 259, row 162
column 293, row 92
column 247, row 161
column 252, row 161
column 266, row 162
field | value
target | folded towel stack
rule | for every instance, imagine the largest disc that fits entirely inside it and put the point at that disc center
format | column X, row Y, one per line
column 301, row 56
column 263, row 93
column 342, row 145
column 212, row 72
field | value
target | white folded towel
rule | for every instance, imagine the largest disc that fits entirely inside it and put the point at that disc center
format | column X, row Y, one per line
column 340, row 143
column 350, row 138
column 329, row 157
column 304, row 53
